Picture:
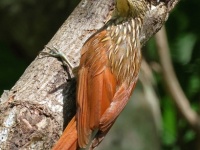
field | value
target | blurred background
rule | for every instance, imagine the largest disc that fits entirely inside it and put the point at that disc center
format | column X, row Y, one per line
column 27, row 25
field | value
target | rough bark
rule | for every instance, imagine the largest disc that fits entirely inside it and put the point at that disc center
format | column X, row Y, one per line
column 32, row 111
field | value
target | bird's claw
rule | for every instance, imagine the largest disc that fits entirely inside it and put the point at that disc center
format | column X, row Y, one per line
column 54, row 52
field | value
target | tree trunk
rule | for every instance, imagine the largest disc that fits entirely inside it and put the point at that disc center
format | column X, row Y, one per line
column 32, row 111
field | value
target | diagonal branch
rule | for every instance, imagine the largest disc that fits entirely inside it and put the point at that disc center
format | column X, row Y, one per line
column 32, row 111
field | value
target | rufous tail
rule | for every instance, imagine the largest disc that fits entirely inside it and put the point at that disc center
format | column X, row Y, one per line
column 68, row 140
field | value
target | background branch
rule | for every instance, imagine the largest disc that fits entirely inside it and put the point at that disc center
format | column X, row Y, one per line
column 171, row 81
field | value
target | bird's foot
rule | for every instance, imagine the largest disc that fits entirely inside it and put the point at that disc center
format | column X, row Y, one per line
column 54, row 52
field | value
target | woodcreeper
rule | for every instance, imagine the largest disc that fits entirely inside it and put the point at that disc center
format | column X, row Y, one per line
column 107, row 75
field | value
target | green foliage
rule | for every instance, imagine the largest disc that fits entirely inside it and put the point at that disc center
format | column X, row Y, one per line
column 184, row 48
column 169, row 122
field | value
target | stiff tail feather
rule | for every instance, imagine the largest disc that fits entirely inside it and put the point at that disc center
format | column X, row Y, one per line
column 68, row 140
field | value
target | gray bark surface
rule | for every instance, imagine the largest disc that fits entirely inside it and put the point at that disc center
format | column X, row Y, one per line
column 32, row 111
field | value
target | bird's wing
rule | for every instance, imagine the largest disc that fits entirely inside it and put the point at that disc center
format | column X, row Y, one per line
column 96, row 87
column 118, row 103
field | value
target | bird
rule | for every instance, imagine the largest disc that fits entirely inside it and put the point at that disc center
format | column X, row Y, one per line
column 107, row 75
